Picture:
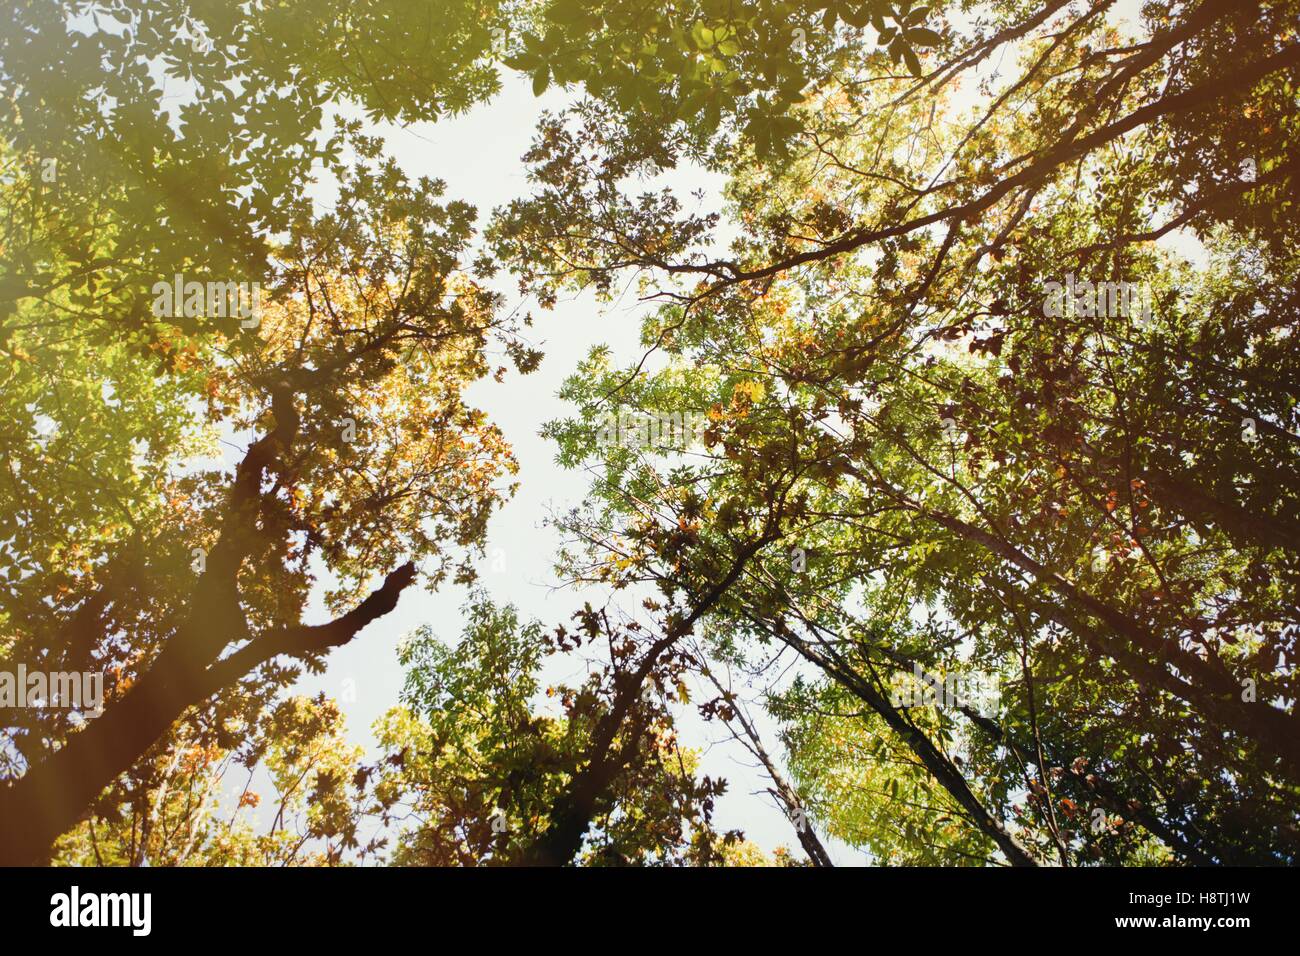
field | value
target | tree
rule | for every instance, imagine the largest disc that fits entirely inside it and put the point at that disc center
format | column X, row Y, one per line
column 365, row 457
column 491, row 779
column 979, row 479
column 994, row 372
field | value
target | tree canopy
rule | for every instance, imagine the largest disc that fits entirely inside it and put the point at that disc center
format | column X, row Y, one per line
column 990, row 335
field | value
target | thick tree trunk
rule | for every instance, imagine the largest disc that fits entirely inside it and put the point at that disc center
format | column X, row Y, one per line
column 572, row 812
column 50, row 798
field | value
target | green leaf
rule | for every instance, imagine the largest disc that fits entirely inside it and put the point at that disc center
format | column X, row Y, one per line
column 859, row 17
column 913, row 63
column 568, row 11
column 525, row 62
column 541, row 79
